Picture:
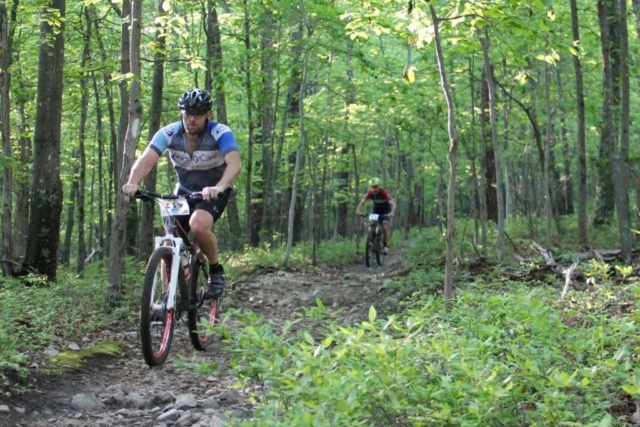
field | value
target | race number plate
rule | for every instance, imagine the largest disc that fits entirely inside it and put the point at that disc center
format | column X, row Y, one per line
column 373, row 217
column 173, row 207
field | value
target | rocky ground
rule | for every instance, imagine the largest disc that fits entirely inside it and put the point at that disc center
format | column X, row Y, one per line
column 123, row 391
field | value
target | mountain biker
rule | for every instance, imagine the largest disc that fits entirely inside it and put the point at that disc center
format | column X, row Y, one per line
column 206, row 158
column 383, row 205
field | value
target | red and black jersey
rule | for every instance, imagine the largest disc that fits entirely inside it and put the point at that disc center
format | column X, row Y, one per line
column 380, row 200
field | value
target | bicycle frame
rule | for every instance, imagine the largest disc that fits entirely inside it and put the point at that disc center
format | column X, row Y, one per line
column 176, row 247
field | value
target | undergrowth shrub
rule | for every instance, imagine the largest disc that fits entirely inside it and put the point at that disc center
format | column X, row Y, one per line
column 520, row 358
column 37, row 313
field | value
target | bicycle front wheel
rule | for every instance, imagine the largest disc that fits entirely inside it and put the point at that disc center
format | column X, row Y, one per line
column 156, row 322
column 368, row 252
column 377, row 249
column 203, row 316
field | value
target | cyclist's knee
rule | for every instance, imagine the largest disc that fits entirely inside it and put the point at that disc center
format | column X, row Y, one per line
column 199, row 227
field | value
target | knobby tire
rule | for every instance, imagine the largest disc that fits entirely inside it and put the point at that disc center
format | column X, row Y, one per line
column 376, row 247
column 369, row 249
column 202, row 315
column 156, row 332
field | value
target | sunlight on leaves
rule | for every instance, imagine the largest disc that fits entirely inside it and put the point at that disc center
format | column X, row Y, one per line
column 409, row 74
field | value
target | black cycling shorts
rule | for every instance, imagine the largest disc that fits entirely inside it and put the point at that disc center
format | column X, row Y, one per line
column 214, row 207
column 383, row 217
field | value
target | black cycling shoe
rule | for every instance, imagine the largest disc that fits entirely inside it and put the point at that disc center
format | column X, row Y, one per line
column 216, row 283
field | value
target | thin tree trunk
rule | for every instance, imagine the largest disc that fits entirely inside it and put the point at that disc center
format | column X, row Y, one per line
column 101, row 182
column 566, row 176
column 484, row 40
column 452, row 157
column 299, row 154
column 547, row 155
column 21, row 222
column 65, row 252
column 116, row 257
column 113, row 141
column 146, row 229
column 84, row 104
column 580, row 142
column 6, row 55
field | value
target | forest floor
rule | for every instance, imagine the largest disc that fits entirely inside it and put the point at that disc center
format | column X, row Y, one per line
column 123, row 391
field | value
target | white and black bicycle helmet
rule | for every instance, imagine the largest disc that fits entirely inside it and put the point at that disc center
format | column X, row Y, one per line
column 195, row 100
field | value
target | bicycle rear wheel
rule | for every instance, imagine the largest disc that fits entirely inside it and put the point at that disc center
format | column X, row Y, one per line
column 202, row 315
column 156, row 322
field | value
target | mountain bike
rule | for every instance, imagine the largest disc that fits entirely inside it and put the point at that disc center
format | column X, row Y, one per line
column 373, row 246
column 175, row 283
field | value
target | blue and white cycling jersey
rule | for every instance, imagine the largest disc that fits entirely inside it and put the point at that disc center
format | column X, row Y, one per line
column 203, row 168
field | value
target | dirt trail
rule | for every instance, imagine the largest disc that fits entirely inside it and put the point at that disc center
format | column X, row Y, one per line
column 123, row 391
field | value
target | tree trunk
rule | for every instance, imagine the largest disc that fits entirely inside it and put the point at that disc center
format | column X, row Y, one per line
column 580, row 142
column 113, row 141
column 452, row 157
column 300, row 151
column 116, row 257
column 46, row 195
column 65, row 252
column 6, row 55
column 566, row 176
column 484, row 40
column 146, row 229
column 21, row 209
column 605, row 191
column 266, row 119
column 101, row 182
column 548, row 211
column 84, row 105
column 214, row 82
column 613, row 67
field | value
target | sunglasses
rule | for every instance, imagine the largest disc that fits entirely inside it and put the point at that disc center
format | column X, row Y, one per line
column 194, row 113
column 375, row 187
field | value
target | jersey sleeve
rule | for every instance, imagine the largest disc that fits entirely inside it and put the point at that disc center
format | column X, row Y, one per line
column 161, row 140
column 225, row 139
column 384, row 194
column 368, row 195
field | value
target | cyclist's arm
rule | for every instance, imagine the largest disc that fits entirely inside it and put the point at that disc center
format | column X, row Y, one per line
column 360, row 205
column 140, row 169
column 234, row 166
column 393, row 207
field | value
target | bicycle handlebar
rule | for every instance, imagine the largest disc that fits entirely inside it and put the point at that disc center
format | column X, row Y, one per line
column 149, row 196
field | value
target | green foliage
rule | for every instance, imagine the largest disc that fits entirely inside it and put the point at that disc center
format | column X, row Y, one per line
column 598, row 272
column 37, row 313
column 494, row 358
column 334, row 252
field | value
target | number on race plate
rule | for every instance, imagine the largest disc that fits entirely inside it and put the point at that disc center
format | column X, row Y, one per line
column 174, row 207
column 373, row 217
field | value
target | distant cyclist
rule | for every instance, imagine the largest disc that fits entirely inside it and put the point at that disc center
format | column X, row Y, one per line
column 383, row 205
column 206, row 159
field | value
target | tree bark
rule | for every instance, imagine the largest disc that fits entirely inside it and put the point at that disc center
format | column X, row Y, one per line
column 46, row 195
column 146, row 229
column 84, row 105
column 6, row 58
column 611, row 54
column 291, row 229
column 452, row 157
column 116, row 257
column 484, row 40
column 580, row 141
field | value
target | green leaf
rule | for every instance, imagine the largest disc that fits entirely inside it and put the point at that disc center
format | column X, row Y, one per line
column 308, row 338
column 606, row 421
column 372, row 314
